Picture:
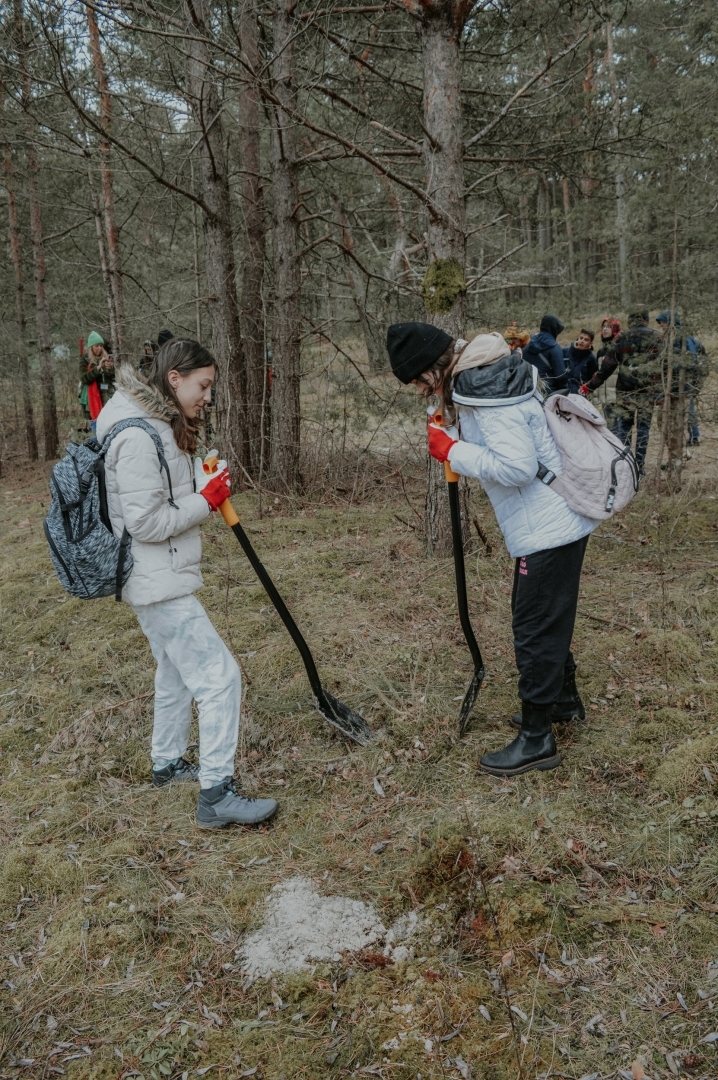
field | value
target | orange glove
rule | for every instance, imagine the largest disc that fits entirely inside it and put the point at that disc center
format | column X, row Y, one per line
column 217, row 489
column 440, row 442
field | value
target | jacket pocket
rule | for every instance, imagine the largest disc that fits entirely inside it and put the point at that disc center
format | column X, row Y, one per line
column 186, row 549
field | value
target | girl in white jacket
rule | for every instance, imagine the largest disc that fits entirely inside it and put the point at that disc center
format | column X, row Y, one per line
column 161, row 510
column 503, row 441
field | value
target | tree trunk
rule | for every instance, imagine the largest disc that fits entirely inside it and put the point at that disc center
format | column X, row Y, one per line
column 51, row 437
column 206, row 107
column 102, row 249
column 569, row 227
column 112, row 242
column 621, row 223
column 252, row 300
column 446, row 236
column 284, row 450
column 16, row 255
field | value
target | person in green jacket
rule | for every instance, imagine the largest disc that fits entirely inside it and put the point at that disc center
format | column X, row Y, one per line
column 97, row 377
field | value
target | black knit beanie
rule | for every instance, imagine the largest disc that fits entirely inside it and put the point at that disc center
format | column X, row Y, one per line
column 413, row 347
column 164, row 336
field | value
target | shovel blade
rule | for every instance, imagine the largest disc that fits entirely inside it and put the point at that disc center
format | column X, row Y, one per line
column 469, row 701
column 343, row 718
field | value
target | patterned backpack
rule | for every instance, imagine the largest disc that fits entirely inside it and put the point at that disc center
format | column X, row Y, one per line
column 89, row 559
column 599, row 474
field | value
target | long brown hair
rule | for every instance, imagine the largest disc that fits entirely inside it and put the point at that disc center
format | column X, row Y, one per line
column 437, row 380
column 182, row 355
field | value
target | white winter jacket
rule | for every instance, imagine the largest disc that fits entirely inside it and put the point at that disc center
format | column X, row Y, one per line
column 503, row 437
column 166, row 545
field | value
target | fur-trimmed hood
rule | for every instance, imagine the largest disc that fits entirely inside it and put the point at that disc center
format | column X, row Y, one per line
column 153, row 403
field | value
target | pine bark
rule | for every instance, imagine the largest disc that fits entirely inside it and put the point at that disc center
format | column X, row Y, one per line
column 443, row 21
column 252, row 298
column 112, row 240
column 102, row 250
column 220, row 270
column 51, row 437
column 284, row 451
column 618, row 179
column 16, row 256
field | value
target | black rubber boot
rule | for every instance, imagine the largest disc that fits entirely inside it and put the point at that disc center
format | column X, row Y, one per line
column 569, row 705
column 533, row 748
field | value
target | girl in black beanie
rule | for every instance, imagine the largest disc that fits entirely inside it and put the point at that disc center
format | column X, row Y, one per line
column 502, row 435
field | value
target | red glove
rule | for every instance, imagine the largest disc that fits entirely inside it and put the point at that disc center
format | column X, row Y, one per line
column 217, row 489
column 440, row 442
column 585, row 390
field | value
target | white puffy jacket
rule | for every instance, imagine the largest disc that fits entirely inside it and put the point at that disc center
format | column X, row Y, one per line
column 501, row 445
column 166, row 545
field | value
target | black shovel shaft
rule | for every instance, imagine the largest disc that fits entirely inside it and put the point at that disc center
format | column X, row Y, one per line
column 460, row 572
column 282, row 611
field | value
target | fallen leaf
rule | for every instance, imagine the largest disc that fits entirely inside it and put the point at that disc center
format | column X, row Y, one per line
column 508, row 958
column 659, row 930
column 713, row 1037
column 637, row 1069
column 378, row 788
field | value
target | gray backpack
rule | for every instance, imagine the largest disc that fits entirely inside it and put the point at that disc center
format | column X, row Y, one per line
column 89, row 559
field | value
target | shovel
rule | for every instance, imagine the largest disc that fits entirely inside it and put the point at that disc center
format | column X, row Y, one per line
column 334, row 712
column 457, row 539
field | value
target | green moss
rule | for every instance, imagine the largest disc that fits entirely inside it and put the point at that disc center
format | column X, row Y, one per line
column 442, row 285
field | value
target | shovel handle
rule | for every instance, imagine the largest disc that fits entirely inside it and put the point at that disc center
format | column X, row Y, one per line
column 229, row 513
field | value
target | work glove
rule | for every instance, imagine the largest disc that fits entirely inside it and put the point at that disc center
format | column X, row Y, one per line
column 440, row 439
column 215, row 487
column 585, row 390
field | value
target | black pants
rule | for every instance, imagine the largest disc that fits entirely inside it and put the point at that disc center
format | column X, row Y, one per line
column 543, row 608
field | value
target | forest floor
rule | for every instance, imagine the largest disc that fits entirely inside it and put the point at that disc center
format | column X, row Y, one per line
column 566, row 922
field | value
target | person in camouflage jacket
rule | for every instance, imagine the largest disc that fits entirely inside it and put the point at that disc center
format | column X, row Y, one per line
column 636, row 354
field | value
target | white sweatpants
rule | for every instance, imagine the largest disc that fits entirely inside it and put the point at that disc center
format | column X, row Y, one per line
column 192, row 662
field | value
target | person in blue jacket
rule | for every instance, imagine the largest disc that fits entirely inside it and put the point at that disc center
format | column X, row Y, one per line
column 582, row 363
column 546, row 355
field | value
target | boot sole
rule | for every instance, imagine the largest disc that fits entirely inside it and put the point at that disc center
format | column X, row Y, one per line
column 223, row 824
column 543, row 765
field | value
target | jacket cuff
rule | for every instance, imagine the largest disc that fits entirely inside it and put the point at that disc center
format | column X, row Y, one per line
column 197, row 506
column 462, row 458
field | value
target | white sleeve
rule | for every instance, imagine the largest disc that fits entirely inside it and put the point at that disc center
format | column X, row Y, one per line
column 509, row 456
column 146, row 512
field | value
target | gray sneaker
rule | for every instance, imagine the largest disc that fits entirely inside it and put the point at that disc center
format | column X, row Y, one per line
column 224, row 805
column 177, row 772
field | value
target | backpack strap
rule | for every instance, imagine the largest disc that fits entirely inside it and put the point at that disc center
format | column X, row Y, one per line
column 153, row 434
column 121, row 558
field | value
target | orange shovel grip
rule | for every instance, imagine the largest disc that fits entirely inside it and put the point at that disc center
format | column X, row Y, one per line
column 226, row 509
column 451, row 476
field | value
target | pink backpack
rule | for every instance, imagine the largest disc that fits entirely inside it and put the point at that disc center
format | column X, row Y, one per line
column 600, row 475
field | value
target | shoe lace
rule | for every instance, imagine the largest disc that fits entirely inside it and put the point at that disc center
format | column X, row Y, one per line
column 232, row 786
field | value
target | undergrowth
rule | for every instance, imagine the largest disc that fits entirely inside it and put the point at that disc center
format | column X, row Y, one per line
column 568, row 918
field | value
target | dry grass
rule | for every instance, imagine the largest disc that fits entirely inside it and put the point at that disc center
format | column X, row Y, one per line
column 576, row 908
